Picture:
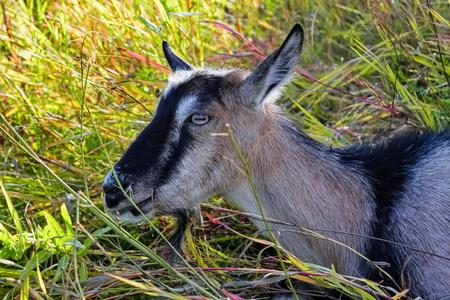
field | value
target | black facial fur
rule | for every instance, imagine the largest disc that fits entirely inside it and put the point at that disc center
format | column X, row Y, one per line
column 145, row 152
column 204, row 87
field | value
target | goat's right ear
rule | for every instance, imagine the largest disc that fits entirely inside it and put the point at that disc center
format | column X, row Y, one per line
column 176, row 63
column 266, row 81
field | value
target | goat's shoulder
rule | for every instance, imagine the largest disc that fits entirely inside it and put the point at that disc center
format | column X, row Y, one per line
column 394, row 169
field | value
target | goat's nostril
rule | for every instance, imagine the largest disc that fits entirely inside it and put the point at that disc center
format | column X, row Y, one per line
column 113, row 196
column 108, row 189
column 135, row 212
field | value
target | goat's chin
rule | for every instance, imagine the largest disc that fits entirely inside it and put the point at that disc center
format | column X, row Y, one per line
column 136, row 219
column 130, row 217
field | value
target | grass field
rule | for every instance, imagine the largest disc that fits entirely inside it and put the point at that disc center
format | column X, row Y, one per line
column 80, row 79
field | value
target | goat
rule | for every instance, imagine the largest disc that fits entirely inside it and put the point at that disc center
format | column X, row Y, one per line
column 396, row 191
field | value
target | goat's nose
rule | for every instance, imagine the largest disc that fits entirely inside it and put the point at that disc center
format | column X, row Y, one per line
column 113, row 194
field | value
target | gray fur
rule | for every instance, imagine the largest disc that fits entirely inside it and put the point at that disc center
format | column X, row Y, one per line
column 345, row 192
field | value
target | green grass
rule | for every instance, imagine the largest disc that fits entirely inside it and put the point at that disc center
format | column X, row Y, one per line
column 79, row 80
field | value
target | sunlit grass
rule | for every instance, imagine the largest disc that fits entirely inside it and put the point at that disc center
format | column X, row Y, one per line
column 79, row 80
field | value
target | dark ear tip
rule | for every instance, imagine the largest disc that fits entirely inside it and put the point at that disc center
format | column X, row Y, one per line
column 176, row 63
column 165, row 45
column 297, row 29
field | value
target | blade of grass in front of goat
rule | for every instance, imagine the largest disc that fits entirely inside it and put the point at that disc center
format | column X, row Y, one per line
column 152, row 290
column 255, row 194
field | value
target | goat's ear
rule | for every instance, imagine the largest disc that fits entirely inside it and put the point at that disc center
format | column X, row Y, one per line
column 265, row 82
column 176, row 63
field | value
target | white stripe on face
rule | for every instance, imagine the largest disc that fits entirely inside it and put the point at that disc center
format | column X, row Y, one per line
column 187, row 103
column 175, row 80
column 185, row 108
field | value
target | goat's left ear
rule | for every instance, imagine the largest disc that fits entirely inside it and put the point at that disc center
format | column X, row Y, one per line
column 176, row 63
column 265, row 82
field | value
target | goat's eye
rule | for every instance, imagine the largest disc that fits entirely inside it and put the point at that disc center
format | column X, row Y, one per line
column 199, row 119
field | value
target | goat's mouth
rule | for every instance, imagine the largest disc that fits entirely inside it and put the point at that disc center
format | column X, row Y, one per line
column 133, row 212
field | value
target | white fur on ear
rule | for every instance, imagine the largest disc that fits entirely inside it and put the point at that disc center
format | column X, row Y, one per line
column 266, row 81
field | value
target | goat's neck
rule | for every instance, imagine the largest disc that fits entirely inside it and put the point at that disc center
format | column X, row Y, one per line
column 302, row 182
